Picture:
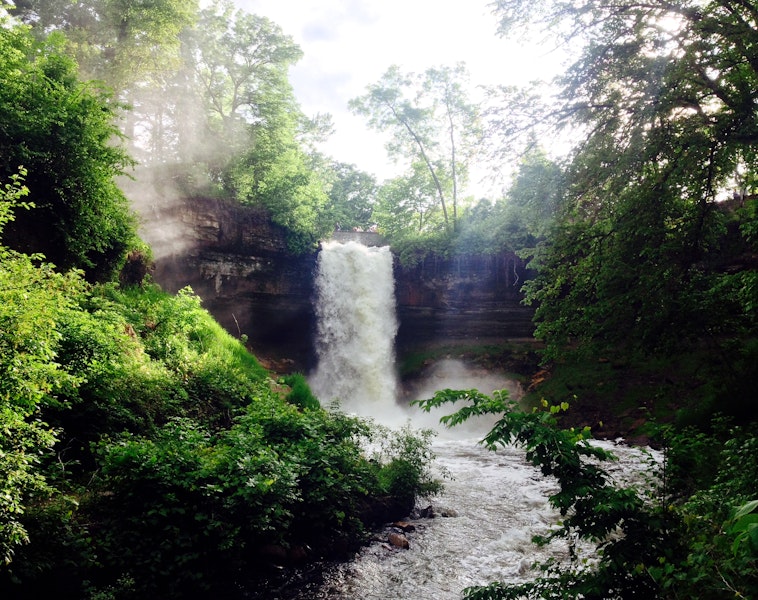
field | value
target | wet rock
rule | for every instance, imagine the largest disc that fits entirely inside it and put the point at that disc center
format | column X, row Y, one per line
column 398, row 540
column 425, row 513
column 298, row 554
column 378, row 511
column 274, row 553
column 404, row 526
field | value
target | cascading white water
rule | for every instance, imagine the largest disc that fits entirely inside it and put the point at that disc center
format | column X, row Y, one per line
column 497, row 500
column 356, row 327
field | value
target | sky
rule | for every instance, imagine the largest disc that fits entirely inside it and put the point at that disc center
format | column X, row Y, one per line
column 349, row 44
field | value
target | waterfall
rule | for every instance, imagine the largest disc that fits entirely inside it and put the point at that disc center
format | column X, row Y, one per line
column 495, row 502
column 356, row 327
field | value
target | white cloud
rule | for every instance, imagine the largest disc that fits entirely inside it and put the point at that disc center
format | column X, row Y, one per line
column 349, row 44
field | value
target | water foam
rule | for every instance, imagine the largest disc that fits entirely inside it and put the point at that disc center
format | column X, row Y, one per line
column 356, row 328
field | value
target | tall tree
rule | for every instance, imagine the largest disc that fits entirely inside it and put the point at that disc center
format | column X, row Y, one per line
column 254, row 130
column 665, row 93
column 120, row 42
column 132, row 46
column 407, row 207
column 238, row 65
column 63, row 132
column 432, row 122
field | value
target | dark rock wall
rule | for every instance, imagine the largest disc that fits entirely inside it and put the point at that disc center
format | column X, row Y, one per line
column 464, row 299
column 238, row 263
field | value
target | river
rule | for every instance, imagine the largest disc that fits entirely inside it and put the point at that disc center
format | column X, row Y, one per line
column 495, row 501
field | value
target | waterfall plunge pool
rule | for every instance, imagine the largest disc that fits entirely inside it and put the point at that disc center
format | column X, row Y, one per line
column 496, row 500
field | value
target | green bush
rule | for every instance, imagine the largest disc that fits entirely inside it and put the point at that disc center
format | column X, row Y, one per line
column 33, row 301
column 693, row 534
column 300, row 393
column 183, row 509
column 64, row 133
column 189, row 509
column 407, row 458
column 717, row 520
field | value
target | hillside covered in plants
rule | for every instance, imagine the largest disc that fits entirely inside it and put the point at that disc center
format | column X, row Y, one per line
column 144, row 452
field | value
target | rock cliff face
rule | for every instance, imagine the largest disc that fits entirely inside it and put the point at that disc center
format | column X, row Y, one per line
column 464, row 299
column 237, row 262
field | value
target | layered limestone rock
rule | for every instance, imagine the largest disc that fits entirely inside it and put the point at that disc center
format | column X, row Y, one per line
column 463, row 299
column 238, row 263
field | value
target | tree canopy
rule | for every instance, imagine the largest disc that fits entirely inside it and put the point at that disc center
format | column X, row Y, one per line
column 665, row 94
column 433, row 124
column 63, row 132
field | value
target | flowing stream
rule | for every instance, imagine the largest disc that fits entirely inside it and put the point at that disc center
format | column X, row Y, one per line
column 493, row 502
column 496, row 503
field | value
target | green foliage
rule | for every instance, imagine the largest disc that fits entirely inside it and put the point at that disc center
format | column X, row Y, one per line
column 413, row 250
column 743, row 525
column 188, row 509
column 407, row 206
column 134, row 48
column 300, row 393
column 119, row 42
column 33, row 298
column 63, row 132
column 635, row 262
column 10, row 198
column 179, row 505
column 250, row 126
column 279, row 178
column 406, row 458
column 156, row 356
column 352, row 197
column 717, row 559
column 435, row 130
column 692, row 534
column 626, row 530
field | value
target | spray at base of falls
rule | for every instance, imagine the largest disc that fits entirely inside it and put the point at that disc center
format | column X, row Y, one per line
column 356, row 328
column 497, row 501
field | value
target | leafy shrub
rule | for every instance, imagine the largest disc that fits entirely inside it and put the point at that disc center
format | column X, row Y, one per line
column 189, row 508
column 33, row 300
column 413, row 250
column 334, row 476
column 406, row 458
column 691, row 536
column 63, row 131
column 300, row 393
column 180, row 507
column 717, row 517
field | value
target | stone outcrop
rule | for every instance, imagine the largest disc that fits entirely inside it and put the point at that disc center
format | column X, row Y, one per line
column 463, row 299
column 238, row 263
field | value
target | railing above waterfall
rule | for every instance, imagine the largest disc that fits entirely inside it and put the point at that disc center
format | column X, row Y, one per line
column 366, row 238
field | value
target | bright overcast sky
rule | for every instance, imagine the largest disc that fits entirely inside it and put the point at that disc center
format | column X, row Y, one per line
column 349, row 44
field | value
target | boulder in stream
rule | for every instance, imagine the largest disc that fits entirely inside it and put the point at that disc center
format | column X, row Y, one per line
column 398, row 540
